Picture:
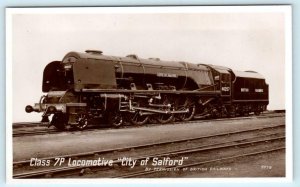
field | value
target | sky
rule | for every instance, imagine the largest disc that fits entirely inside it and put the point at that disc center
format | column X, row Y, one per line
column 238, row 40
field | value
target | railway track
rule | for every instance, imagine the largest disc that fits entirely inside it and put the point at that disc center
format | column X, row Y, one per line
column 203, row 144
column 39, row 124
column 17, row 132
column 210, row 161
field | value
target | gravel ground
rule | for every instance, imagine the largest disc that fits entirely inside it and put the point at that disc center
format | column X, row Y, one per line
column 76, row 142
column 265, row 165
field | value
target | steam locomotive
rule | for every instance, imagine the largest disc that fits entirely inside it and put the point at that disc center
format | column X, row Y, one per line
column 86, row 88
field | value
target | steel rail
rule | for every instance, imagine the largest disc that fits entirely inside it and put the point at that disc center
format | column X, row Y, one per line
column 171, row 153
column 142, row 173
column 39, row 124
column 91, row 153
column 93, row 128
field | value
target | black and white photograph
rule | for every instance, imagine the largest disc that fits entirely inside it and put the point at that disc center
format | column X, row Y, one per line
column 180, row 92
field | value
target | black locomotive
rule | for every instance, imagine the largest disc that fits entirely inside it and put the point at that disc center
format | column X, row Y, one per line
column 91, row 87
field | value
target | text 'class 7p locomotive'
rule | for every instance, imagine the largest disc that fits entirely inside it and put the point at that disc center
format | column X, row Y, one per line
column 90, row 87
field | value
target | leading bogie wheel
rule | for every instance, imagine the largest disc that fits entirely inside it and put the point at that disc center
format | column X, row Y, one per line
column 115, row 119
column 82, row 121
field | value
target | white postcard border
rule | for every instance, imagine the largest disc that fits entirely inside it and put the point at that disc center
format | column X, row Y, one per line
column 286, row 9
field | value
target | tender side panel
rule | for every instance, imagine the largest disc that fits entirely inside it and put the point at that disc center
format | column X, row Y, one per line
column 250, row 89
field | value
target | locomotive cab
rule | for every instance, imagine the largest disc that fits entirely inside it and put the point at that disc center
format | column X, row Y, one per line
column 222, row 79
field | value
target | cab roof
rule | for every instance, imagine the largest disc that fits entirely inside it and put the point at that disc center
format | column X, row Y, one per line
column 248, row 74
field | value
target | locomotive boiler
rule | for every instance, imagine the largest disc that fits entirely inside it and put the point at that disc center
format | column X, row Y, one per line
column 87, row 88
